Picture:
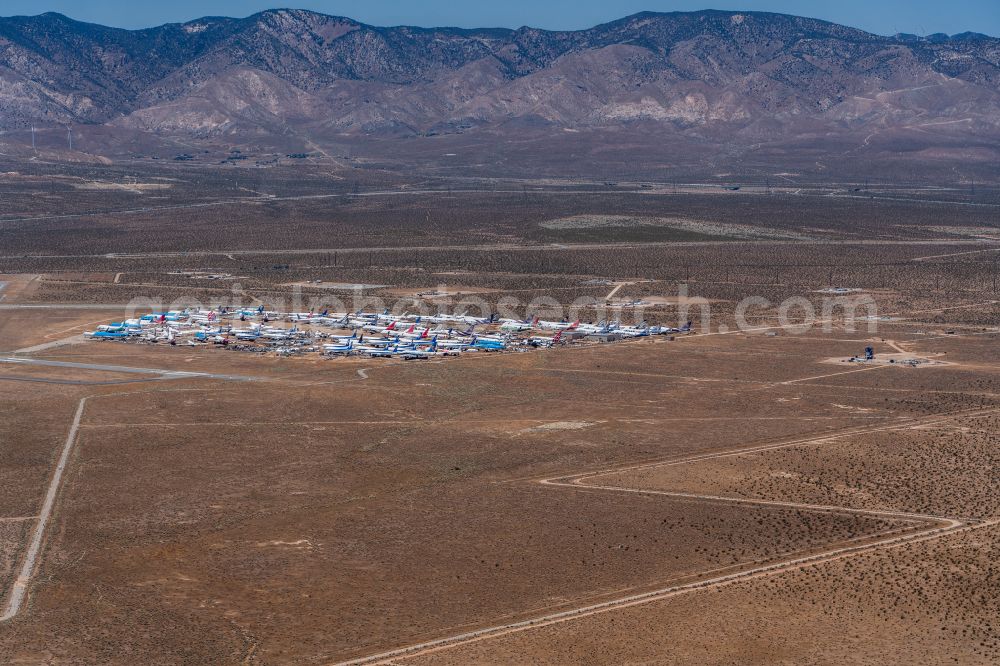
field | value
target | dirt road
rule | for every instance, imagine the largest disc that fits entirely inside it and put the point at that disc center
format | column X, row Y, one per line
column 28, row 566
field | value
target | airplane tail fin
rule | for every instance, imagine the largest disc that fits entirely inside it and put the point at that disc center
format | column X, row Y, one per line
column 557, row 337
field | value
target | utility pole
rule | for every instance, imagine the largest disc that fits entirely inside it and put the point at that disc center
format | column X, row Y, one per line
column 69, row 136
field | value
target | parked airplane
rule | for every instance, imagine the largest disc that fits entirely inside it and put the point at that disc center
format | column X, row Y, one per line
column 557, row 325
column 411, row 335
column 457, row 345
column 544, row 341
column 106, row 335
column 412, row 354
column 338, row 349
column 381, row 352
column 487, row 344
column 517, row 325
column 600, row 327
column 633, row 331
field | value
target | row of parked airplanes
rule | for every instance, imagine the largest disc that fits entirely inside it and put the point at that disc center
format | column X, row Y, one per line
column 371, row 334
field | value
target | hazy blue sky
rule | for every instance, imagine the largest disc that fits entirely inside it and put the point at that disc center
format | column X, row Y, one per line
column 881, row 16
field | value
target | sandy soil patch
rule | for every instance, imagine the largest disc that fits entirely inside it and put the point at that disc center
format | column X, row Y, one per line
column 743, row 231
column 906, row 360
column 443, row 292
column 968, row 232
column 13, row 287
column 340, row 286
column 137, row 188
column 665, row 300
column 560, row 425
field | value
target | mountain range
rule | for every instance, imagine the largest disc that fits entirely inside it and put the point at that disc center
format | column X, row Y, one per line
column 750, row 75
